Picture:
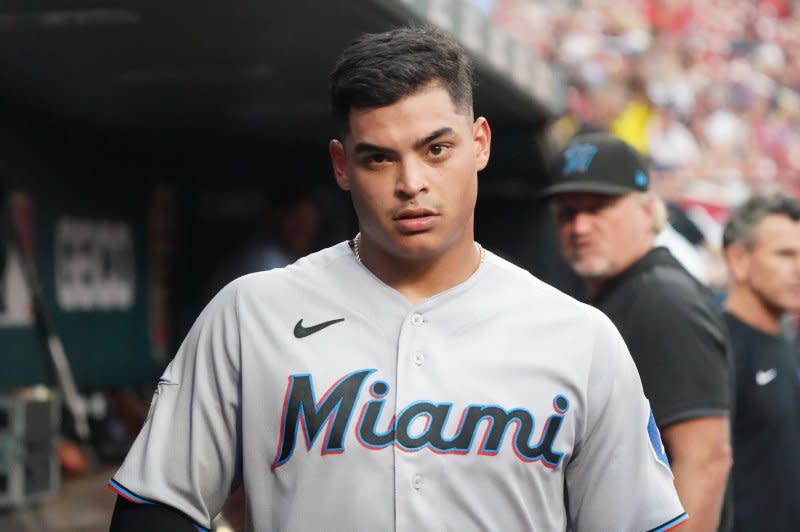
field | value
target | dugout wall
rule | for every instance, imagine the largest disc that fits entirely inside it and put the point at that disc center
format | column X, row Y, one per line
column 125, row 149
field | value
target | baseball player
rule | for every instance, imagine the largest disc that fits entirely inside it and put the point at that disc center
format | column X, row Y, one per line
column 407, row 379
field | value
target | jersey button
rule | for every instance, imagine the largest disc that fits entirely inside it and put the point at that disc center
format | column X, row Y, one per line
column 417, row 318
column 419, row 358
column 417, row 482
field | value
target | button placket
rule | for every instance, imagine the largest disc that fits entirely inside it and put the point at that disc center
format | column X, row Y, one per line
column 411, row 466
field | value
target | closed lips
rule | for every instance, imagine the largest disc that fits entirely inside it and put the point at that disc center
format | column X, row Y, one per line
column 413, row 213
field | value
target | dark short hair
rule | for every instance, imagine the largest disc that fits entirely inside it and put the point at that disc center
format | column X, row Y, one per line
column 743, row 222
column 379, row 69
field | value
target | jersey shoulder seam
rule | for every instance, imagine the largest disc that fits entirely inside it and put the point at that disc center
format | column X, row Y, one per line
column 533, row 282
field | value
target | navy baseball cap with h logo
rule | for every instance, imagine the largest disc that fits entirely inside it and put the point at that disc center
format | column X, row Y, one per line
column 599, row 163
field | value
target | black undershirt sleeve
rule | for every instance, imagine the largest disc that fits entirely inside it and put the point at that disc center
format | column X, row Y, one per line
column 130, row 517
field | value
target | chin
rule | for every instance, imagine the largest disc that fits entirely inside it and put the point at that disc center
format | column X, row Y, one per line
column 792, row 305
column 416, row 245
column 592, row 269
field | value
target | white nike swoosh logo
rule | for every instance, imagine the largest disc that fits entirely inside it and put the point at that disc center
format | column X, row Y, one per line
column 765, row 376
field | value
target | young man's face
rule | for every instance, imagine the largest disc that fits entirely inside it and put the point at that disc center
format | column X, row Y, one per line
column 411, row 169
column 770, row 266
column 601, row 234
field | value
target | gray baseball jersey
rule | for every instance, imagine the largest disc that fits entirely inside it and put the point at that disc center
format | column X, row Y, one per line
column 499, row 404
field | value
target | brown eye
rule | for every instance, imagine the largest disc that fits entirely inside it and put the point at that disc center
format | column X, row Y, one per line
column 376, row 160
column 438, row 150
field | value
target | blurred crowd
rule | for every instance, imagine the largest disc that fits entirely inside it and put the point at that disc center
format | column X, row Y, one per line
column 707, row 89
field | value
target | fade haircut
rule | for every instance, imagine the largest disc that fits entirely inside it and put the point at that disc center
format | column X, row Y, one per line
column 379, row 69
column 743, row 222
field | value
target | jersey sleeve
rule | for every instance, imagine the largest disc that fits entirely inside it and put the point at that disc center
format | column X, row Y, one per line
column 187, row 453
column 683, row 356
column 619, row 477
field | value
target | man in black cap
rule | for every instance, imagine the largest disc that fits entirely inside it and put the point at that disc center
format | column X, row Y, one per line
column 607, row 221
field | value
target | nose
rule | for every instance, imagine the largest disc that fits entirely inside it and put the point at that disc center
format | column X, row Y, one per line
column 581, row 222
column 411, row 179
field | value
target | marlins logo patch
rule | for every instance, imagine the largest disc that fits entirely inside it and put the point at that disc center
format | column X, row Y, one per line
column 655, row 442
column 578, row 157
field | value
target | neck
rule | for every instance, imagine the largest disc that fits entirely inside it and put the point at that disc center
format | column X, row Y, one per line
column 418, row 279
column 595, row 283
column 593, row 286
column 753, row 310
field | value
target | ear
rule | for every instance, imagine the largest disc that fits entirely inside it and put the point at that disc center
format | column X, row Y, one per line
column 650, row 207
column 482, row 138
column 339, row 162
column 738, row 260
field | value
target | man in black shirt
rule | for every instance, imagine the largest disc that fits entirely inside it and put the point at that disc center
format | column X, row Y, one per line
column 607, row 221
column 762, row 249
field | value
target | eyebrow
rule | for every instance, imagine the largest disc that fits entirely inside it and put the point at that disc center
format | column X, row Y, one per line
column 366, row 147
column 433, row 136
